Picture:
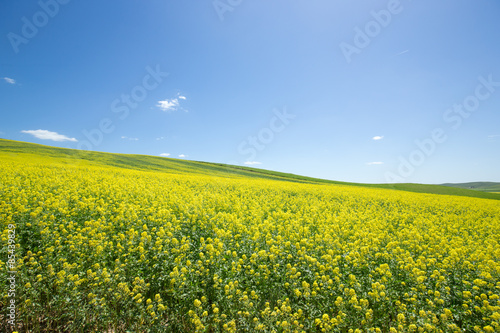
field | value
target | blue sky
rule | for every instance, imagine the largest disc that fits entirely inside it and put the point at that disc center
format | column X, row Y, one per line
column 362, row 91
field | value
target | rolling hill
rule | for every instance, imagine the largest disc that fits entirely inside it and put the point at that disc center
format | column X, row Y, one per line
column 477, row 186
column 11, row 149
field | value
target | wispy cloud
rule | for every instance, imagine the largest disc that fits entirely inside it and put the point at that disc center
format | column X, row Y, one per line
column 400, row 53
column 493, row 137
column 165, row 154
column 378, row 137
column 48, row 135
column 375, row 163
column 182, row 155
column 172, row 104
column 131, row 139
column 252, row 163
column 9, row 80
column 160, row 138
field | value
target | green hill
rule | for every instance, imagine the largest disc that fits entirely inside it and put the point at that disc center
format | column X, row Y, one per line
column 477, row 186
column 11, row 149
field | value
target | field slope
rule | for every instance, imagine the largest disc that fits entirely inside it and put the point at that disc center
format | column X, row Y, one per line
column 12, row 149
column 95, row 242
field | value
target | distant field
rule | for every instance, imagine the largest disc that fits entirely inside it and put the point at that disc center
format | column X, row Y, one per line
column 478, row 186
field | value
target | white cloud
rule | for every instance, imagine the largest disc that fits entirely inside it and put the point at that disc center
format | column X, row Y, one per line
column 48, row 135
column 9, row 80
column 168, row 105
column 171, row 104
column 131, row 139
column 377, row 137
column 182, row 155
column 252, row 163
column 165, row 154
column 160, row 138
column 375, row 163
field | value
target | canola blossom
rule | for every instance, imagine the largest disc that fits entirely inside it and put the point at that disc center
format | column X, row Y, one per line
column 102, row 249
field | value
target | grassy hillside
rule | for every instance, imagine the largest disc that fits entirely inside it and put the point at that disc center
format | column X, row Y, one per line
column 10, row 149
column 477, row 186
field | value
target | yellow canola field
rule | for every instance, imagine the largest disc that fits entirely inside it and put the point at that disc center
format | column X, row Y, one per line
column 112, row 250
